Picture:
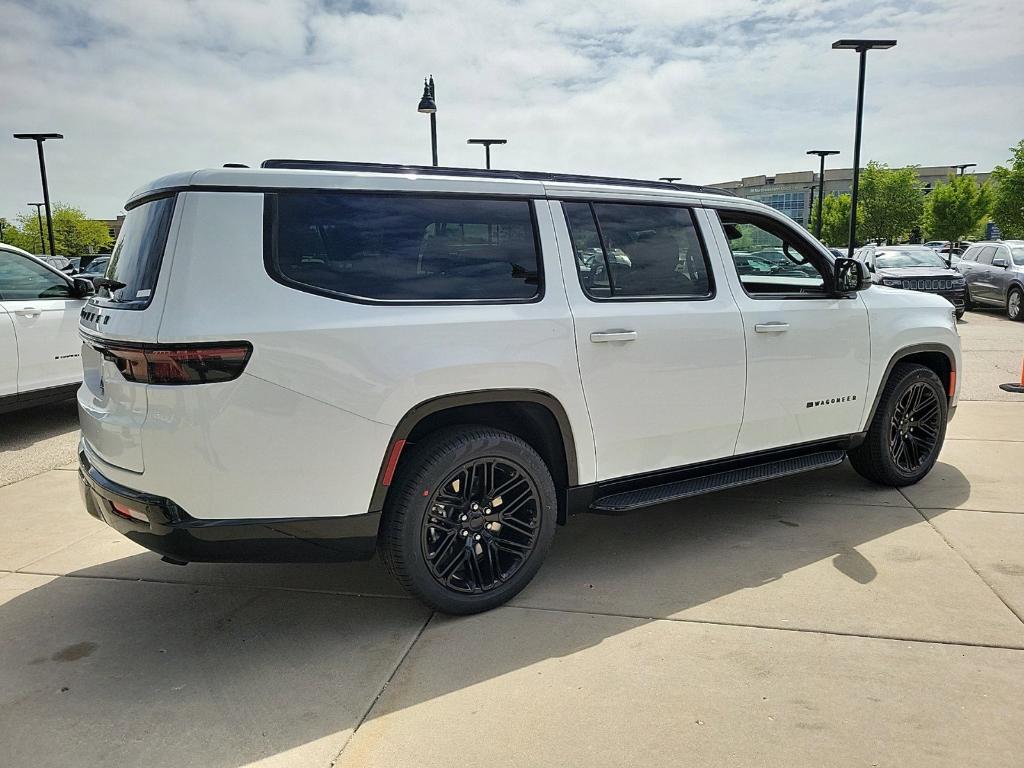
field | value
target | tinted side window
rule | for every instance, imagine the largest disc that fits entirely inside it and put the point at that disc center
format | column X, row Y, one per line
column 638, row 251
column 23, row 279
column 986, row 254
column 404, row 248
column 138, row 254
column 970, row 254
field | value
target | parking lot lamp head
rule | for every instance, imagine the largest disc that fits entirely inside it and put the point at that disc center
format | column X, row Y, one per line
column 963, row 167
column 487, row 147
column 861, row 47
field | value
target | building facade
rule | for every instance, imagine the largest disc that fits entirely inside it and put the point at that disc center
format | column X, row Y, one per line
column 792, row 193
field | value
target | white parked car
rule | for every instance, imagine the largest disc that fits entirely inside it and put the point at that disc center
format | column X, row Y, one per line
column 39, row 341
column 311, row 361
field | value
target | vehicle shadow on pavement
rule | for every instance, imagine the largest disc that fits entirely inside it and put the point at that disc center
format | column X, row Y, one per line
column 22, row 429
column 207, row 668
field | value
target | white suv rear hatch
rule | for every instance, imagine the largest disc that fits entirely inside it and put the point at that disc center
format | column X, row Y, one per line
column 116, row 324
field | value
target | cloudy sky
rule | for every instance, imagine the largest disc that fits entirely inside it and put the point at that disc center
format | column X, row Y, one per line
column 709, row 90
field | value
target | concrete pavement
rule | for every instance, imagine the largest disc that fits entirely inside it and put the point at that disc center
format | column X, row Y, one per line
column 817, row 620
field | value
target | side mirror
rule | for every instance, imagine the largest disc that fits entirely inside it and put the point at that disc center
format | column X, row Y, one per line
column 850, row 276
column 83, row 287
column 871, row 267
column 1000, row 261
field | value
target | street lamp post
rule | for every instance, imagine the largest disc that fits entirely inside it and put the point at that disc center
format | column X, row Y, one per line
column 39, row 138
column 862, row 47
column 822, row 154
column 810, row 210
column 39, row 218
column 487, row 147
column 964, row 166
column 428, row 106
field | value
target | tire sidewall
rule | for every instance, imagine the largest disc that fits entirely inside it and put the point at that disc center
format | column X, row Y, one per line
column 914, row 376
column 1020, row 304
column 427, row 471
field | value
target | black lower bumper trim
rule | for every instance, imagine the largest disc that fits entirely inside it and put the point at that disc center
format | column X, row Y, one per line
column 171, row 532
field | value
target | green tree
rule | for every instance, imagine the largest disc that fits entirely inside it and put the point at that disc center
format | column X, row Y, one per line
column 74, row 234
column 835, row 219
column 1008, row 196
column 890, row 203
column 955, row 209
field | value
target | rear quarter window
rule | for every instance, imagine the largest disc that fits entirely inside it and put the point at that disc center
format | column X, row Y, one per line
column 403, row 248
column 137, row 255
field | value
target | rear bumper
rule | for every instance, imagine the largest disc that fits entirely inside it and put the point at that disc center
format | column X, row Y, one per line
column 171, row 532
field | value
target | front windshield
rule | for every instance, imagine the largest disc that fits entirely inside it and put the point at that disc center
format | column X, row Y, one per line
column 915, row 258
column 1018, row 256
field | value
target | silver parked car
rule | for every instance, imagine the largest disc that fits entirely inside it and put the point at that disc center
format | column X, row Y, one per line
column 995, row 276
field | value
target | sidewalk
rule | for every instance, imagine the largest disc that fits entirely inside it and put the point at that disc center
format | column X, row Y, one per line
column 817, row 620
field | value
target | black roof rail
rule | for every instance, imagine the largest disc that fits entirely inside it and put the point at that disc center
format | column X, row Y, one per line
column 480, row 173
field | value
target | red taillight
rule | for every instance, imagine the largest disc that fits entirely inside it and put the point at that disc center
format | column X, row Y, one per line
column 127, row 512
column 199, row 364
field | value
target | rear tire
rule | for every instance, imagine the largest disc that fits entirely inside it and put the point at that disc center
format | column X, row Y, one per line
column 1015, row 304
column 907, row 431
column 469, row 519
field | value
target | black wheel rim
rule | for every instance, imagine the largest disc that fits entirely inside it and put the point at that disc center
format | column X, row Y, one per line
column 914, row 429
column 481, row 525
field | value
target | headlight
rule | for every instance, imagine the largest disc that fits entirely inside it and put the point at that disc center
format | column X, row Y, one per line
column 891, row 282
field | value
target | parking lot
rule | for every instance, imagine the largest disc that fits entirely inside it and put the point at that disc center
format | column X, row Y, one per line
column 814, row 620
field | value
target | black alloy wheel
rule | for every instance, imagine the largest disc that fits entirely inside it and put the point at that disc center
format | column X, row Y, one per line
column 482, row 525
column 906, row 433
column 914, row 427
column 469, row 518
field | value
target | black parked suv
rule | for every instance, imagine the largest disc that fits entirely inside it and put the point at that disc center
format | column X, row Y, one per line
column 915, row 268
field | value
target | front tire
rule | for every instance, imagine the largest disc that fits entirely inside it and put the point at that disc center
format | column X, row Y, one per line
column 1015, row 304
column 469, row 519
column 907, row 432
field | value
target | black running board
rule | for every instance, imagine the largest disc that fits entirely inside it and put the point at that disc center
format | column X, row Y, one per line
column 627, row 501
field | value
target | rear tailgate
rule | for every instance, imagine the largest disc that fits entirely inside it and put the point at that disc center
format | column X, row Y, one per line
column 124, row 314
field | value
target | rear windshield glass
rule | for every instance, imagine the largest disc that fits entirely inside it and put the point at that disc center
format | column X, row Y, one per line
column 404, row 248
column 136, row 258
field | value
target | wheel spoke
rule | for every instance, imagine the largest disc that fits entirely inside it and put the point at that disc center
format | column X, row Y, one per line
column 517, row 525
column 514, row 547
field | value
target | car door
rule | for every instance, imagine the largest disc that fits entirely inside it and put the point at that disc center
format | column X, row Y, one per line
column 808, row 349
column 42, row 304
column 8, row 356
column 1001, row 273
column 658, row 338
column 980, row 281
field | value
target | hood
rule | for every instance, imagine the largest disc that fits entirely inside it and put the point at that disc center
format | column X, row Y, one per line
column 914, row 272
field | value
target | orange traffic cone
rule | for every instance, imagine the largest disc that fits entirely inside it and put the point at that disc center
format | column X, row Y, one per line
column 1018, row 388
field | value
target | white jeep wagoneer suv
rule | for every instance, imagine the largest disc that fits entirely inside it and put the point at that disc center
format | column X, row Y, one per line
column 315, row 360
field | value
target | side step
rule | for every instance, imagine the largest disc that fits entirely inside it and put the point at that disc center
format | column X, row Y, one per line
column 627, row 501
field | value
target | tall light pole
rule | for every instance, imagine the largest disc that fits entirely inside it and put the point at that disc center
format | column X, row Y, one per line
column 964, row 166
column 862, row 47
column 487, row 147
column 39, row 138
column 429, row 107
column 822, row 154
column 810, row 208
column 39, row 218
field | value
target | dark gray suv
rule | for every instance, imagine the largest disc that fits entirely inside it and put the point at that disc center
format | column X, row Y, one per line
column 995, row 276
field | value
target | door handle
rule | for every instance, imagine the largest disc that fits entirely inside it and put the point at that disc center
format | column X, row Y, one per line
column 28, row 312
column 599, row 337
column 771, row 327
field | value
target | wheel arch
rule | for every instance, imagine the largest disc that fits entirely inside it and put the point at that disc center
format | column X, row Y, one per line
column 536, row 416
column 938, row 357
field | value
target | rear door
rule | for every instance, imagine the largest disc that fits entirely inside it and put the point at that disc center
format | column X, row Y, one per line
column 113, row 409
column 981, row 275
column 1002, row 276
column 659, row 340
column 808, row 352
column 44, row 311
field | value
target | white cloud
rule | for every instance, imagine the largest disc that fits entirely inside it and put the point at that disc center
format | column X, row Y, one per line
column 706, row 90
